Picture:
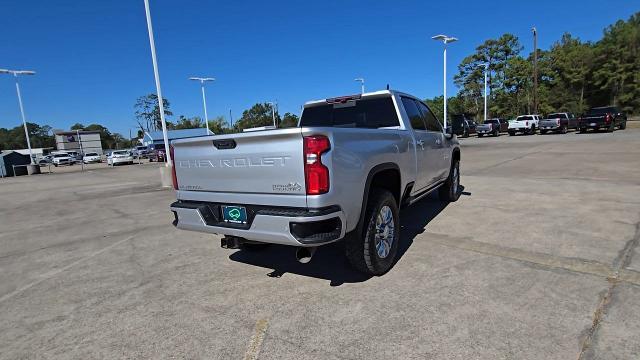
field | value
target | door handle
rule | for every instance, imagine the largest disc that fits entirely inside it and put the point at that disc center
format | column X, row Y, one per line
column 421, row 143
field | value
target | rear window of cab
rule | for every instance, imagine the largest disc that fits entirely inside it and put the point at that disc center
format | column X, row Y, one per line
column 370, row 113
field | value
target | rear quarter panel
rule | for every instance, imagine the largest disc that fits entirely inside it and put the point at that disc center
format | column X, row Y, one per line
column 353, row 154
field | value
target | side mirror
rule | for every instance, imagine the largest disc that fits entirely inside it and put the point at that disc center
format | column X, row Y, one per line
column 448, row 133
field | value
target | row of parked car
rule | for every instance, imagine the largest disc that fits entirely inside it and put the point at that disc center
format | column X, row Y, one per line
column 68, row 158
column 600, row 118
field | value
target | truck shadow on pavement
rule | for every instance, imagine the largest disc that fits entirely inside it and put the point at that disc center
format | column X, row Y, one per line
column 329, row 261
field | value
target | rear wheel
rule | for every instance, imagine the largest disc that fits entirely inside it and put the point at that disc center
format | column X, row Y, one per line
column 583, row 130
column 512, row 133
column 480, row 135
column 565, row 129
column 623, row 125
column 542, row 132
column 450, row 190
column 373, row 250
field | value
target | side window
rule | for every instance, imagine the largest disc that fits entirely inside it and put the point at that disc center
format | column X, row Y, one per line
column 432, row 122
column 415, row 117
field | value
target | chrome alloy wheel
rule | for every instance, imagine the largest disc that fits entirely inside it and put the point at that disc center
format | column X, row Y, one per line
column 385, row 232
column 456, row 180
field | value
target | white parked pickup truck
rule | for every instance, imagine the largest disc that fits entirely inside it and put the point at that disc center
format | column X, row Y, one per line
column 526, row 124
column 343, row 173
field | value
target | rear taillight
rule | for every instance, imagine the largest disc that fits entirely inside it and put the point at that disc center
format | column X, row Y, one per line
column 607, row 118
column 558, row 122
column 174, row 178
column 526, row 123
column 316, row 175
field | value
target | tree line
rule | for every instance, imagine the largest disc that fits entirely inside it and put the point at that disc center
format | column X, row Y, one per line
column 573, row 75
column 147, row 114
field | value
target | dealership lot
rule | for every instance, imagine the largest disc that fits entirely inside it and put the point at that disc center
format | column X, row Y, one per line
column 538, row 259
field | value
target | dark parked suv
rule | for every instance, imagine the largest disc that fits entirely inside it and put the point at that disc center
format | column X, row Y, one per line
column 463, row 126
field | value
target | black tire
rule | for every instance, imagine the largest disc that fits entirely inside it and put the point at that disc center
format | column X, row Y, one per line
column 480, row 135
column 361, row 246
column 542, row 132
column 623, row 125
column 465, row 133
column 533, row 130
column 565, row 130
column 496, row 134
column 611, row 128
column 450, row 190
column 583, row 130
column 512, row 133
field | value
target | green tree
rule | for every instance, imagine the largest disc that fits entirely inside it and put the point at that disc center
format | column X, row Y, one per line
column 617, row 65
column 258, row 115
column 289, row 120
column 189, row 123
column 147, row 112
column 219, row 125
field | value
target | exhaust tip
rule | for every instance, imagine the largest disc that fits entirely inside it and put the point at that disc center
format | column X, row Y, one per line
column 305, row 254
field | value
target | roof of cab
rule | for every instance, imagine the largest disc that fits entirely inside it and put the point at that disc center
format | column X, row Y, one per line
column 367, row 94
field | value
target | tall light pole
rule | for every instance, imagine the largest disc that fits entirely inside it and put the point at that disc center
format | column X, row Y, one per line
column 156, row 75
column 445, row 40
column 273, row 112
column 204, row 99
column 361, row 81
column 535, row 70
column 15, row 74
column 486, row 70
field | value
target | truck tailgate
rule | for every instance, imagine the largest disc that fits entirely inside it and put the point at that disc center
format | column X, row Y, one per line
column 261, row 162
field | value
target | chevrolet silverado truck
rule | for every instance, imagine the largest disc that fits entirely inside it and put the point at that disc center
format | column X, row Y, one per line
column 526, row 124
column 492, row 127
column 558, row 122
column 341, row 174
column 606, row 117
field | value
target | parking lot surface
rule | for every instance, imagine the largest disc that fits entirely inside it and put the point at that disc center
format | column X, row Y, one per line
column 537, row 260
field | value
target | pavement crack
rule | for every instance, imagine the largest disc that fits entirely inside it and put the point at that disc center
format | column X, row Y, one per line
column 622, row 260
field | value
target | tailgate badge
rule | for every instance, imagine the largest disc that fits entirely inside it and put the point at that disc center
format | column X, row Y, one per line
column 290, row 187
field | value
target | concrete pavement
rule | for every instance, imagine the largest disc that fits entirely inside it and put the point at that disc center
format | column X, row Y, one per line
column 539, row 259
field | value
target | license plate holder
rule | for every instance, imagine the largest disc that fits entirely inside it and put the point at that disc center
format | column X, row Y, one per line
column 234, row 214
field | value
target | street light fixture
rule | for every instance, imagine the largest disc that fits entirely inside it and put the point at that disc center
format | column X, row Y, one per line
column 361, row 81
column 445, row 40
column 15, row 74
column 273, row 112
column 204, row 99
column 486, row 70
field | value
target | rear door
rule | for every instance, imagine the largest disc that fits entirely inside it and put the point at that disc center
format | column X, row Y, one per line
column 434, row 128
column 425, row 142
column 261, row 162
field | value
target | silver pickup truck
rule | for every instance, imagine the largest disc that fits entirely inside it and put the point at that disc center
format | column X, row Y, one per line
column 343, row 173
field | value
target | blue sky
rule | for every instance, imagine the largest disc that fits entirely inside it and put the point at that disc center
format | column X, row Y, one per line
column 92, row 57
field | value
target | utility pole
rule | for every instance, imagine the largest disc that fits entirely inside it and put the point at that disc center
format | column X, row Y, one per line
column 361, row 81
column 535, row 70
column 230, row 118
column 81, row 150
column 15, row 74
column 156, row 75
column 204, row 99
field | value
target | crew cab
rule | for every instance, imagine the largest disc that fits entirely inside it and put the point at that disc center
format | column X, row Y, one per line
column 607, row 117
column 492, row 127
column 526, row 124
column 558, row 122
column 341, row 174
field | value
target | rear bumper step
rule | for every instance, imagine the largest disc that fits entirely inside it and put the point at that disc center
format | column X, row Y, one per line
column 276, row 225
